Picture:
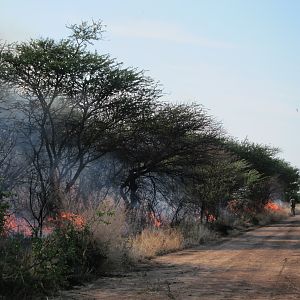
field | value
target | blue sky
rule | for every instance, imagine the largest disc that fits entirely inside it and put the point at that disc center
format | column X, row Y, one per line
column 240, row 59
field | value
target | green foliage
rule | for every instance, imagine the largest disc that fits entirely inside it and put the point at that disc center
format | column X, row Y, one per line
column 65, row 257
column 15, row 264
column 104, row 215
column 263, row 159
column 85, row 32
column 169, row 141
column 260, row 157
column 36, row 265
column 3, row 208
column 3, row 214
column 214, row 184
column 77, row 102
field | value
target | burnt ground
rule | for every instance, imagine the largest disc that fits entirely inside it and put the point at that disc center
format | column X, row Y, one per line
column 260, row 264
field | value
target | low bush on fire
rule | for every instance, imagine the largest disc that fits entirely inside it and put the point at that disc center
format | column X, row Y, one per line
column 37, row 265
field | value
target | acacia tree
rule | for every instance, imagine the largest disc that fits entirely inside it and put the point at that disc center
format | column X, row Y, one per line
column 166, row 143
column 213, row 185
column 11, row 164
column 72, row 102
column 278, row 176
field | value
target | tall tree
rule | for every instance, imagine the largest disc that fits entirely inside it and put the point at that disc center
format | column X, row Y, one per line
column 72, row 102
column 168, row 142
column 279, row 176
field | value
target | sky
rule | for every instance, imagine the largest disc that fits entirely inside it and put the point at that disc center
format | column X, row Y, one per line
column 239, row 59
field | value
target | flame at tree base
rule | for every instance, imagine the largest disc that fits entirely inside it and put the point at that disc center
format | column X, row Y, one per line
column 156, row 222
column 271, row 206
column 75, row 219
column 16, row 225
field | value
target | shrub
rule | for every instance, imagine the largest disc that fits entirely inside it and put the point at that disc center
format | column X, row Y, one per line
column 195, row 233
column 3, row 216
column 65, row 257
column 34, row 265
column 266, row 217
column 15, row 264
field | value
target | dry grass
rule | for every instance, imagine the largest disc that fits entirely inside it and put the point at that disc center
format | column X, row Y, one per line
column 156, row 241
column 109, row 228
column 152, row 242
column 111, row 232
column 269, row 216
column 196, row 233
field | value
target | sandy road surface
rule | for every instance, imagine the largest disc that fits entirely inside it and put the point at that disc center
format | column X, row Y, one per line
column 260, row 264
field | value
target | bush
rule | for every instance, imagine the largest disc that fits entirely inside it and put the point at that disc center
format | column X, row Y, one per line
column 34, row 265
column 3, row 215
column 195, row 233
column 66, row 257
column 15, row 265
column 267, row 217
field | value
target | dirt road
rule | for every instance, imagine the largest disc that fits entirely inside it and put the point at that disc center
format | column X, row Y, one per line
column 259, row 264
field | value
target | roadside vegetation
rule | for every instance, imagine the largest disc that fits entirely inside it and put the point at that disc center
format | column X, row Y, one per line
column 97, row 172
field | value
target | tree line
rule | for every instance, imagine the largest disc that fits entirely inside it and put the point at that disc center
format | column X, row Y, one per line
column 74, row 122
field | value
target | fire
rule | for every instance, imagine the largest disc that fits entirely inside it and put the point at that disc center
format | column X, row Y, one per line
column 211, row 218
column 154, row 220
column 15, row 225
column 272, row 206
column 77, row 220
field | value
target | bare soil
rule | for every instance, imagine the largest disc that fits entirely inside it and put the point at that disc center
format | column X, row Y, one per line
column 260, row 264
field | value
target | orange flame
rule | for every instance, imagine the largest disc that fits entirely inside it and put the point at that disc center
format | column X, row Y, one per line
column 211, row 218
column 154, row 220
column 76, row 220
column 14, row 225
column 272, row 206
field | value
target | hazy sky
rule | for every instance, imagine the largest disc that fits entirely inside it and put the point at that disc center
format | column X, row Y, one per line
column 240, row 59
